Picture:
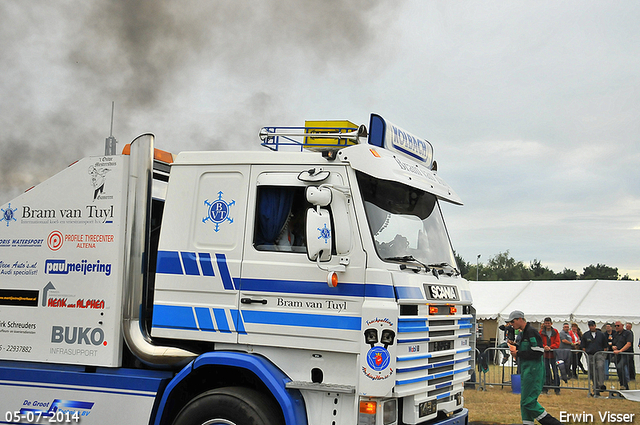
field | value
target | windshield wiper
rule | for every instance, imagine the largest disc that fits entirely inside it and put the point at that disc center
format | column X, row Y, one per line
column 407, row 258
column 443, row 266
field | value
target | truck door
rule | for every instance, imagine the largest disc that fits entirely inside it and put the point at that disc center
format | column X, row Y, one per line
column 285, row 299
column 199, row 254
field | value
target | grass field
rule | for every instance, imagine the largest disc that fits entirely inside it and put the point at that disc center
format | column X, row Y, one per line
column 501, row 406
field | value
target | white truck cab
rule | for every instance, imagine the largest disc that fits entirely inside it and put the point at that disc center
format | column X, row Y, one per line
column 311, row 283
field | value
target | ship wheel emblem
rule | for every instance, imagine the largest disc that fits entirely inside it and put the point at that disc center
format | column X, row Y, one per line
column 8, row 214
column 325, row 233
column 218, row 211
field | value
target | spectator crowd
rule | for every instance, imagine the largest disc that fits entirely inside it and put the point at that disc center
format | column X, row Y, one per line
column 563, row 359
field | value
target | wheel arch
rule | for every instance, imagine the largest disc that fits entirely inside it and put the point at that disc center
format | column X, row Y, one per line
column 218, row 369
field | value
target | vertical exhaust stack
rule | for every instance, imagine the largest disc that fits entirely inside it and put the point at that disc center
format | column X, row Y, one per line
column 136, row 262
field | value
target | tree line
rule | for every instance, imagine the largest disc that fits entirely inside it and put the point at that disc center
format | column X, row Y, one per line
column 503, row 266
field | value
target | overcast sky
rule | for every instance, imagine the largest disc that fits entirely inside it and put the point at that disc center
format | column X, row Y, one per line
column 533, row 108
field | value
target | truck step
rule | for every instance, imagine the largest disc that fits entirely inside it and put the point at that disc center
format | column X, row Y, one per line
column 312, row 386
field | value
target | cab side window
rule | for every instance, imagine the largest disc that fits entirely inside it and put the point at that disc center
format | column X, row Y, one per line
column 280, row 212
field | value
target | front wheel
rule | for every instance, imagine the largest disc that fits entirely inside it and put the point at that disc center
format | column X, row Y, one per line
column 230, row 406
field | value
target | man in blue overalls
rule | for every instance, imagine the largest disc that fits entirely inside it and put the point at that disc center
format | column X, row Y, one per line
column 529, row 354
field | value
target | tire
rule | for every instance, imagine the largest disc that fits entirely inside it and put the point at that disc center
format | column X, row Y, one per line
column 230, row 406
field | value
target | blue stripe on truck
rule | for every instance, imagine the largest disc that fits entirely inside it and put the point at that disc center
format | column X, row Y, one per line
column 173, row 317
column 190, row 264
column 186, row 263
column 68, row 377
column 169, row 263
column 302, row 320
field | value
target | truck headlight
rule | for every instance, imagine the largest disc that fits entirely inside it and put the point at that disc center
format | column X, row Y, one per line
column 389, row 412
column 370, row 408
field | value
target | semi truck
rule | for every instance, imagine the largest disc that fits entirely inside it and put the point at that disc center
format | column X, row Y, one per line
column 312, row 282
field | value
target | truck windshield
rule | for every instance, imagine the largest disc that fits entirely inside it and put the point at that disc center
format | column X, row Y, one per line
column 406, row 223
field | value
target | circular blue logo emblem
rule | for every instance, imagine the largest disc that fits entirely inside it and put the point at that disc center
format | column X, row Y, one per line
column 378, row 358
column 218, row 211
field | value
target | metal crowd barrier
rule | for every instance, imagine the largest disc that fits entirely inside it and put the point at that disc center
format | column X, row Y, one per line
column 604, row 368
column 495, row 367
column 491, row 371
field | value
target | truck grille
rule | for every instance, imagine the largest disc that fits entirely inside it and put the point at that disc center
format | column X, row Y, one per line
column 433, row 354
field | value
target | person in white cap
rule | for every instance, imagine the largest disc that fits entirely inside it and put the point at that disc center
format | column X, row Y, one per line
column 529, row 353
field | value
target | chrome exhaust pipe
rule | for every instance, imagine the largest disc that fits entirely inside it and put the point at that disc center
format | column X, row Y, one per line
column 136, row 261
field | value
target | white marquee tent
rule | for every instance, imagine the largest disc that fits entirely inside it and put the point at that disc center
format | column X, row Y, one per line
column 563, row 300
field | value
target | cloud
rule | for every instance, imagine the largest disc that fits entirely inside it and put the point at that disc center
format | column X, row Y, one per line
column 194, row 72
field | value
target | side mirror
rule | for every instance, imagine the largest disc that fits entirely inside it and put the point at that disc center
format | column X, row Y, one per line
column 338, row 199
column 320, row 196
column 319, row 234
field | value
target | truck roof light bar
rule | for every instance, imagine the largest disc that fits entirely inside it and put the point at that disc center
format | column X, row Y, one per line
column 319, row 136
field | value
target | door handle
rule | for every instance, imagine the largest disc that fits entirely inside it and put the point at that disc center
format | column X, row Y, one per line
column 251, row 301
